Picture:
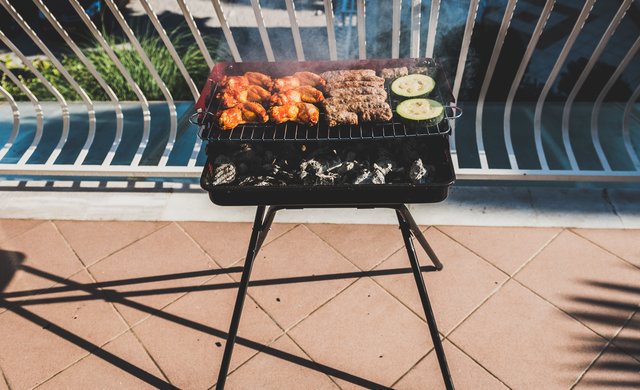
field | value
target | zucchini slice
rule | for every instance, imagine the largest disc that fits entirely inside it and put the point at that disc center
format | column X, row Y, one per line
column 413, row 85
column 421, row 111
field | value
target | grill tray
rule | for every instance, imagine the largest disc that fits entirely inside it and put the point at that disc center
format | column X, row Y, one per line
column 208, row 105
column 434, row 152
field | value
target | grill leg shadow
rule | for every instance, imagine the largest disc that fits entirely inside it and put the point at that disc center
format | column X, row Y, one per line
column 409, row 229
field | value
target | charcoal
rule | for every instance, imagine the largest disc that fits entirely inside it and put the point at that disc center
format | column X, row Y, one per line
column 310, row 167
column 378, row 177
column 224, row 174
column 342, row 168
column 366, row 177
column 260, row 181
column 417, row 171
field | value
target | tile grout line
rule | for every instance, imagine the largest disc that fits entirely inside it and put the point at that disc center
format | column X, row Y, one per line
column 115, row 251
column 420, row 360
column 26, row 231
column 88, row 354
column 4, row 378
column 576, row 319
column 479, row 364
column 208, row 280
column 120, row 316
column 607, row 345
column 572, row 230
column 509, row 278
column 370, row 278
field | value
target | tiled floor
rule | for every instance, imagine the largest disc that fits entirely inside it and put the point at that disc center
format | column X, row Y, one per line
column 142, row 304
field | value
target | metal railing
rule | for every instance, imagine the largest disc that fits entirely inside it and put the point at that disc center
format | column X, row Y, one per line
column 421, row 41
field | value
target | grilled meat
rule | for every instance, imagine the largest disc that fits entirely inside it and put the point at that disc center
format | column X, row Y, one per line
column 284, row 113
column 231, row 97
column 338, row 101
column 256, row 78
column 310, row 78
column 392, row 73
column 303, row 93
column 337, row 115
column 353, row 84
column 303, row 113
column 348, row 92
column 354, row 74
column 234, row 82
column 284, row 83
column 240, row 114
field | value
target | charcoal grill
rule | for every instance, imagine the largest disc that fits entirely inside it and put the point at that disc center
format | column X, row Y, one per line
column 434, row 150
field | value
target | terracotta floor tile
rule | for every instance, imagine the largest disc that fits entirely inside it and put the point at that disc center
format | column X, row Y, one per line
column 12, row 227
column 166, row 252
column 94, row 240
column 525, row 341
column 364, row 332
column 41, row 248
column 226, row 242
column 3, row 383
column 47, row 337
column 189, row 342
column 466, row 373
column 613, row 370
column 364, row 245
column 297, row 254
column 282, row 374
column 455, row 292
column 508, row 248
column 585, row 281
column 126, row 366
column 629, row 337
column 623, row 243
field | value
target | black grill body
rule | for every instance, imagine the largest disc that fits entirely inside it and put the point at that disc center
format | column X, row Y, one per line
column 433, row 143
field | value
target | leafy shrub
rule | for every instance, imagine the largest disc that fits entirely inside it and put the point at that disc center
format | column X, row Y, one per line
column 153, row 47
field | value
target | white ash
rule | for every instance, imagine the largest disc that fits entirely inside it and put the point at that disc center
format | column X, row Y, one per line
column 417, row 171
column 224, row 171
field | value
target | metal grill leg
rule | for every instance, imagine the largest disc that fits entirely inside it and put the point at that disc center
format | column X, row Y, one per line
column 258, row 234
column 405, row 227
column 413, row 226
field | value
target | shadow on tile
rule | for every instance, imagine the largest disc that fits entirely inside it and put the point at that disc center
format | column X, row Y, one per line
column 19, row 301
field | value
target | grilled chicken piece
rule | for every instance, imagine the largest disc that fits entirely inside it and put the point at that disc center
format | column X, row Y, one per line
column 261, row 79
column 240, row 114
column 310, row 78
column 284, row 83
column 304, row 93
column 256, row 93
column 283, row 113
column 235, row 82
column 304, row 113
column 231, row 97
column 308, row 114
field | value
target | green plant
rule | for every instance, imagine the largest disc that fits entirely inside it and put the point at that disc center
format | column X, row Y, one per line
column 153, row 47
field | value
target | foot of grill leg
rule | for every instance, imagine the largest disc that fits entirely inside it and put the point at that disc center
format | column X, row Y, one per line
column 258, row 235
column 405, row 227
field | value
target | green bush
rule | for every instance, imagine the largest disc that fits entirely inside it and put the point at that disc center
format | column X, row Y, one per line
column 153, row 47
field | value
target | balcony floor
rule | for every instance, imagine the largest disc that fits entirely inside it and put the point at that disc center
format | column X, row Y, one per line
column 143, row 304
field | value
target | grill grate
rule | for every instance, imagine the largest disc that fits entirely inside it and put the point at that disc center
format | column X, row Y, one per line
column 290, row 131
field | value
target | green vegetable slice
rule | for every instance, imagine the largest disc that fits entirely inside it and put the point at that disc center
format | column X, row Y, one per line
column 430, row 111
column 412, row 85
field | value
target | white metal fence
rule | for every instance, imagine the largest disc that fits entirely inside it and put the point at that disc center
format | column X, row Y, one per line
column 624, row 129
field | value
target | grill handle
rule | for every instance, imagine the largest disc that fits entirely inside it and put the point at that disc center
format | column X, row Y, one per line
column 198, row 119
column 455, row 110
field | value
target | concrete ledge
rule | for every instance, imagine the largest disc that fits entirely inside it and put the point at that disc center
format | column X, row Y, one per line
column 473, row 206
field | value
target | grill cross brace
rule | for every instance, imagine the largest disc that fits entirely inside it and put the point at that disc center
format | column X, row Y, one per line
column 408, row 227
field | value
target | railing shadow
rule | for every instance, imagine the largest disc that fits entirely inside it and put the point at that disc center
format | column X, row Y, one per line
column 19, row 301
column 622, row 355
